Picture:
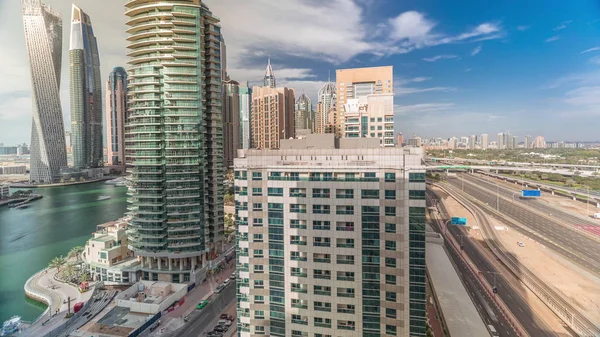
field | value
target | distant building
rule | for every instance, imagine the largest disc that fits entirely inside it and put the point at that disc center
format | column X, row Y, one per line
column 245, row 112
column 414, row 142
column 116, row 115
column 8, row 150
column 16, row 169
column 272, row 116
column 514, row 142
column 472, row 142
column 359, row 82
column 4, row 191
column 539, row 142
column 453, row 143
column 484, row 141
column 304, row 114
column 326, row 105
column 86, row 93
column 69, row 141
column 528, row 144
column 43, row 40
column 399, row 139
column 231, row 121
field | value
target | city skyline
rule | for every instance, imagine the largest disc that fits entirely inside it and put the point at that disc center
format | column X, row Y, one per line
column 443, row 63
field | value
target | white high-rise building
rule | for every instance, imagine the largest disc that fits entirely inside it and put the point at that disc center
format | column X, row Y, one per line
column 528, row 143
column 331, row 239
column 484, row 141
column 43, row 39
column 370, row 116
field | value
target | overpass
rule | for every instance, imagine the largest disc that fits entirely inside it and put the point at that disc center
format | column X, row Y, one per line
column 578, row 167
column 442, row 167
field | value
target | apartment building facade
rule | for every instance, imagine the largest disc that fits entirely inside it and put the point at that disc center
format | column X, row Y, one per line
column 371, row 116
column 272, row 116
column 331, row 239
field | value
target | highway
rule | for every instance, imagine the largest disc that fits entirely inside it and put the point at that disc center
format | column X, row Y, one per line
column 519, row 308
column 546, row 230
column 204, row 320
column 490, row 313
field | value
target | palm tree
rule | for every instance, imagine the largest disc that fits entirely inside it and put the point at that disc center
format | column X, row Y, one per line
column 68, row 272
column 75, row 252
column 57, row 262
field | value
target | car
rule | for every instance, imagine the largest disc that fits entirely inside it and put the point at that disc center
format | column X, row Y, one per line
column 232, row 276
column 226, row 282
column 221, row 328
column 521, row 244
column 214, row 334
column 202, row 304
column 224, row 322
column 227, row 317
column 219, row 288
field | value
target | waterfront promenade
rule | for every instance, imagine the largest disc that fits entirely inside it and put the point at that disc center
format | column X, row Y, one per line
column 45, row 288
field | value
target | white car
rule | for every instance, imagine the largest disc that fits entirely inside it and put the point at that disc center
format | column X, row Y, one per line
column 224, row 322
column 226, row 282
column 521, row 244
column 220, row 288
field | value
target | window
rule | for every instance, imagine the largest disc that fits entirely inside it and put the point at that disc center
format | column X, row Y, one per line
column 322, row 274
column 321, row 193
column 390, row 279
column 379, row 127
column 390, row 262
column 390, row 330
column 322, row 322
column 298, row 256
column 298, row 288
column 370, row 175
column 275, row 192
column 416, row 177
column 390, row 313
column 321, row 225
column 345, row 292
column 257, row 238
column 321, row 258
column 257, row 222
column 257, row 207
column 322, row 306
column 275, row 176
column 416, row 195
column 345, row 276
column 369, row 194
column 298, row 240
column 390, row 228
column 345, row 259
column 258, row 253
column 259, row 330
column 379, row 119
column 390, row 245
column 297, row 208
column 259, row 299
column 390, row 194
column 344, row 210
column 390, row 296
column 244, row 191
column 256, row 175
column 372, row 127
column 372, row 119
column 322, row 290
column 298, row 272
column 390, row 211
column 344, row 193
column 344, row 226
column 257, row 191
column 259, row 284
column 259, row 314
column 321, row 209
column 298, row 224
column 298, row 192
column 322, row 242
column 259, row 268
column 372, row 134
column 344, row 243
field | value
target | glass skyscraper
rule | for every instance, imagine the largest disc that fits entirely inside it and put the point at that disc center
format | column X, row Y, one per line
column 116, row 107
column 174, row 137
column 43, row 38
column 86, row 92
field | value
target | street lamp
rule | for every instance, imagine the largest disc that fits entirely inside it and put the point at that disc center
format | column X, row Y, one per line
column 494, row 288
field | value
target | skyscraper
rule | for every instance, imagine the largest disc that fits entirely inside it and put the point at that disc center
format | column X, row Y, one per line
column 116, row 111
column 231, row 121
column 43, row 39
column 174, row 137
column 269, row 80
column 484, row 141
column 86, row 92
column 539, row 142
column 304, row 113
column 528, row 143
column 327, row 248
column 370, row 116
column 326, row 104
column 272, row 116
column 472, row 142
column 357, row 83
column 245, row 111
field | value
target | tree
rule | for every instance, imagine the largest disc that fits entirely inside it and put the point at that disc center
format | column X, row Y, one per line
column 570, row 182
column 228, row 199
column 75, row 252
column 68, row 272
column 57, row 262
column 229, row 222
column 544, row 176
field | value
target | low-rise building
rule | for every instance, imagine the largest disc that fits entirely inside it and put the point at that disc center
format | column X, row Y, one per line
column 108, row 257
column 4, row 191
column 17, row 169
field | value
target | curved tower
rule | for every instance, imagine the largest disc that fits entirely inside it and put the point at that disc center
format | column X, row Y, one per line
column 174, row 137
column 269, row 80
column 43, row 39
column 86, row 93
column 326, row 103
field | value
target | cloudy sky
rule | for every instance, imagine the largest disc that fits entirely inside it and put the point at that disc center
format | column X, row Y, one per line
column 460, row 67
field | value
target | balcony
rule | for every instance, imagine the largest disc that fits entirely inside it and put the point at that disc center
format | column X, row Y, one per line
column 326, row 309
column 299, row 290
column 322, row 276
column 299, row 274
column 348, row 295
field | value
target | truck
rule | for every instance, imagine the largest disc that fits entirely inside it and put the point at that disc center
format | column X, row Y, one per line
column 597, row 216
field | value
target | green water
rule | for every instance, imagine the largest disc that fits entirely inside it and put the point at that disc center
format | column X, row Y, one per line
column 31, row 237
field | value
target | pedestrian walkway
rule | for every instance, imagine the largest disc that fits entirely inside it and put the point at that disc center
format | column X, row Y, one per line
column 56, row 293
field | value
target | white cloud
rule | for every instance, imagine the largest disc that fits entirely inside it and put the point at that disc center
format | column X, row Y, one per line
column 595, row 60
column 523, row 28
column 476, row 51
column 590, row 50
column 407, row 91
column 563, row 25
column 412, row 26
column 584, row 96
column 553, row 38
column 440, row 57
column 422, row 108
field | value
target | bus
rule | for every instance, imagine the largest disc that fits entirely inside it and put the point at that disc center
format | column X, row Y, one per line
column 493, row 331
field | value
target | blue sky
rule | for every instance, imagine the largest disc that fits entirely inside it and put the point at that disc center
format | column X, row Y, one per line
column 460, row 67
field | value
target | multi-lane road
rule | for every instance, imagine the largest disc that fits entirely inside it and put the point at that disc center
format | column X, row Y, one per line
column 528, row 319
column 544, row 228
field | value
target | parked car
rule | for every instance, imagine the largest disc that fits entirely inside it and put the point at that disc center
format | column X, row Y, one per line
column 224, row 322
column 219, row 288
column 202, row 304
column 221, row 328
column 521, row 244
column 226, row 282
column 227, row 317
column 214, row 334
column 232, row 276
